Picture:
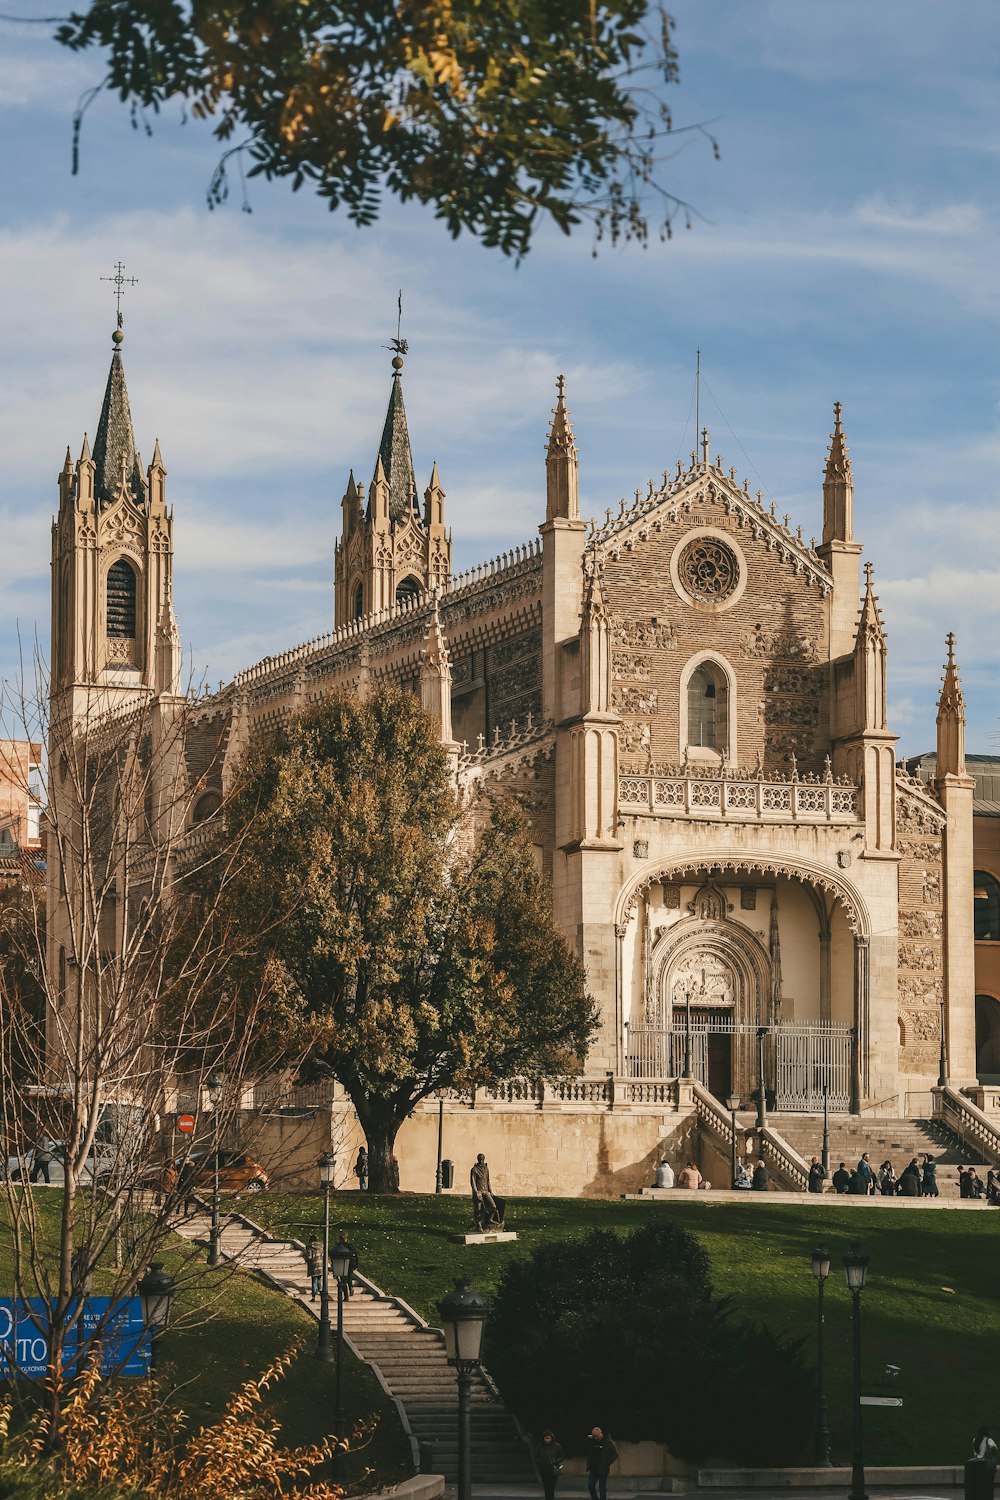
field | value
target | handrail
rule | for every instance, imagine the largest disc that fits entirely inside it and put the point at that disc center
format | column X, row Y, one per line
column 780, row 1154
column 967, row 1120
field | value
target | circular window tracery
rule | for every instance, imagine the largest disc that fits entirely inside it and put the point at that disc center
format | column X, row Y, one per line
column 708, row 570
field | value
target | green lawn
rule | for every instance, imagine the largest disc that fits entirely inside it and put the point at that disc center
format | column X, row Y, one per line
column 227, row 1327
column 945, row 1341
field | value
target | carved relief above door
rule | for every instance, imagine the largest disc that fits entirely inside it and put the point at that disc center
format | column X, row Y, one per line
column 706, row 976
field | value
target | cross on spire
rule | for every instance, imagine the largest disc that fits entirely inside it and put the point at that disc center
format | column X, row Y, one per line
column 121, row 281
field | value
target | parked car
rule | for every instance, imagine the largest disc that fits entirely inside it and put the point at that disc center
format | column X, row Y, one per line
column 238, row 1173
column 98, row 1167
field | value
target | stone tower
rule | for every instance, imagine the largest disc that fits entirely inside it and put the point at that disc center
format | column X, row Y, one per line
column 114, row 636
column 390, row 552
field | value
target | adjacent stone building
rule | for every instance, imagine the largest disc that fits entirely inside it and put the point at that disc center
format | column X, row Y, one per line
column 689, row 701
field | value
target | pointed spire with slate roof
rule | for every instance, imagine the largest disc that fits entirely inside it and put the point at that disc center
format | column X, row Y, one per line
column 394, row 453
column 114, row 446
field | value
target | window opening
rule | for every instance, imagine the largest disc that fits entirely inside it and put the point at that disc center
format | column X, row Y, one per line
column 703, row 703
column 121, row 601
column 986, row 907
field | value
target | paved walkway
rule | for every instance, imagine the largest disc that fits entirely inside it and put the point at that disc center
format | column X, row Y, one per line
column 408, row 1357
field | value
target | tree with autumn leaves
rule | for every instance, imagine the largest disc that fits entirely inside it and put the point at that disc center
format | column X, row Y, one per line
column 498, row 116
column 419, row 958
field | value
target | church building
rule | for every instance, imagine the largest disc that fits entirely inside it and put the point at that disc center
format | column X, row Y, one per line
column 688, row 700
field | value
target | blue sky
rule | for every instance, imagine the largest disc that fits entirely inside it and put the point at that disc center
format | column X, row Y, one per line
column 846, row 248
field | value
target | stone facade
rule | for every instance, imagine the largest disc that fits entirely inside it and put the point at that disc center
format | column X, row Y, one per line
column 688, row 700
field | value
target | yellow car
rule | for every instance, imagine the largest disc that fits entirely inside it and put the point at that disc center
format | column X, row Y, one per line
column 238, row 1173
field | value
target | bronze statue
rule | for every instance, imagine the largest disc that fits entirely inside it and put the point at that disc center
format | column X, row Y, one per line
column 486, row 1211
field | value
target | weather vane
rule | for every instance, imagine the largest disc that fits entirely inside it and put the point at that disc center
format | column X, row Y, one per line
column 121, row 281
column 397, row 345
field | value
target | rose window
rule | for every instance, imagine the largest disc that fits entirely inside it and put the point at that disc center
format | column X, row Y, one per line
column 708, row 570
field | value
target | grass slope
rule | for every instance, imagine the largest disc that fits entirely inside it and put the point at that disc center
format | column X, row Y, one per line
column 227, row 1327
column 943, row 1340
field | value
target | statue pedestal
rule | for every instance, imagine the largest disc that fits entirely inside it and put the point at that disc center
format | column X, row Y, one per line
column 483, row 1237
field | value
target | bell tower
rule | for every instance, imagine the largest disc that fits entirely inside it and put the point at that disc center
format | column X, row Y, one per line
column 390, row 551
column 114, row 635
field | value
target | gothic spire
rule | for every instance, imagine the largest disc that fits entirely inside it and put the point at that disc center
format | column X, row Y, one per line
column 950, row 719
column 870, row 626
column 114, row 445
column 838, row 486
column 561, row 463
column 394, row 452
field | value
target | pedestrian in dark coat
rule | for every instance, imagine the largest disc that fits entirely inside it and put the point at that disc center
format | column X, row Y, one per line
column 887, row 1179
column 548, row 1462
column 859, row 1185
column 817, row 1175
column 981, row 1468
column 928, row 1182
column 841, row 1178
column 760, row 1181
column 600, row 1453
column 314, row 1260
column 909, row 1181
column 867, row 1173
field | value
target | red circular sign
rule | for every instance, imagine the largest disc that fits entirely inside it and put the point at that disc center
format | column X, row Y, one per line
column 185, row 1124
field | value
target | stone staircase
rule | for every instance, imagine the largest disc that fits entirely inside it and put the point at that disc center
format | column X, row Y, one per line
column 408, row 1356
column 895, row 1140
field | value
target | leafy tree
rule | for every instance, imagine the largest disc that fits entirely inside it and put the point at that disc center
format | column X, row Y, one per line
column 421, row 962
column 625, row 1332
column 497, row 114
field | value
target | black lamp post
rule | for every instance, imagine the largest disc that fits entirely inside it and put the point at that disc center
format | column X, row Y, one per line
column 734, row 1103
column 761, row 1097
column 324, row 1344
column 943, row 1059
column 463, row 1318
column 826, row 1134
column 855, row 1270
column 687, row 1034
column 214, row 1087
column 157, row 1292
column 342, row 1262
column 821, row 1270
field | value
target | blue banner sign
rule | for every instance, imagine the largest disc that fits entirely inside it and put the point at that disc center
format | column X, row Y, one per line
column 116, row 1329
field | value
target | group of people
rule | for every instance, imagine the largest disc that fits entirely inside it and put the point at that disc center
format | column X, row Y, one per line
column 599, row 1455
column 749, row 1176
column 971, row 1185
column 917, row 1180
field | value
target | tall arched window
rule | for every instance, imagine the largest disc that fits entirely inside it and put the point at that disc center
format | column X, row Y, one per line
column 707, row 708
column 986, row 906
column 359, row 601
column 407, row 591
column 121, row 601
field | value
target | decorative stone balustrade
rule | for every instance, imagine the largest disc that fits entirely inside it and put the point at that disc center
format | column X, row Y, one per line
column 694, row 794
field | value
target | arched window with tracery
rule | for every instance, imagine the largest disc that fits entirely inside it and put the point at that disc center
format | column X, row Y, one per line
column 708, row 708
column 986, row 907
column 408, row 591
column 121, row 601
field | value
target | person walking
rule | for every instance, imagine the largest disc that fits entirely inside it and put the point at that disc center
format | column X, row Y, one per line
column 600, row 1453
column 841, row 1179
column 548, row 1462
column 817, row 1175
column 887, row 1179
column 928, row 1182
column 981, row 1468
column 361, row 1169
column 867, row 1173
column 41, row 1159
column 314, row 1261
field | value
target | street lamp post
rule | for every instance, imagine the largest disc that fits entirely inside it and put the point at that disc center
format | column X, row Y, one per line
column 463, row 1318
column 342, row 1263
column 943, row 1059
column 324, row 1345
column 687, row 1034
column 826, row 1134
column 156, row 1290
column 821, row 1270
column 761, row 1097
column 214, row 1087
column 855, row 1270
column 734, row 1103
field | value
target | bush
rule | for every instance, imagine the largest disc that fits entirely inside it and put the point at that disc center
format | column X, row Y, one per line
column 624, row 1333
